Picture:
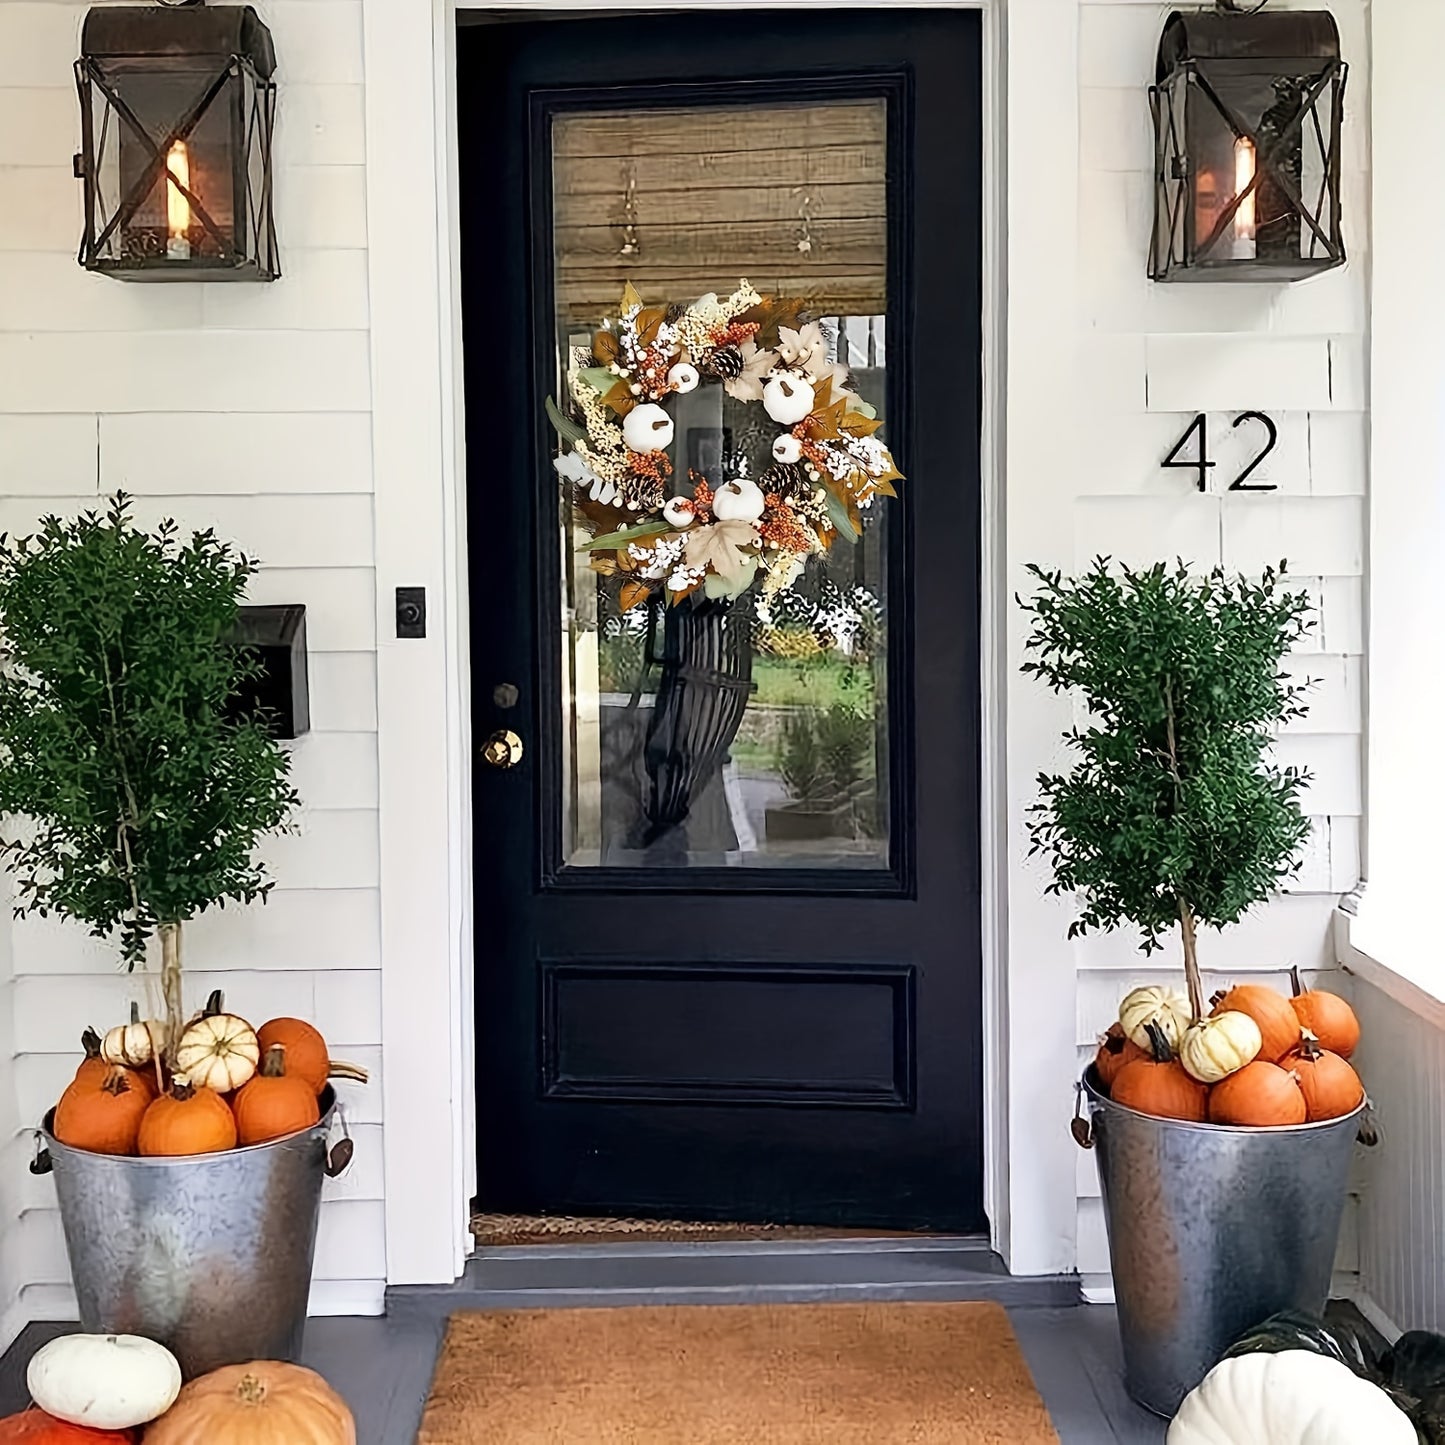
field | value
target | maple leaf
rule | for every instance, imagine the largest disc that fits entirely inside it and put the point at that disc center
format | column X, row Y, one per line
column 747, row 385
column 633, row 593
column 726, row 547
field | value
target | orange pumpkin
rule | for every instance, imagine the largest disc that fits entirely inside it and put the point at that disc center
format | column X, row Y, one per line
column 35, row 1427
column 1328, row 1017
column 274, row 1103
column 1256, row 1096
column 187, row 1121
column 1278, row 1026
column 1161, row 1089
column 307, row 1056
column 102, row 1116
column 263, row 1403
column 1115, row 1050
column 1330, row 1086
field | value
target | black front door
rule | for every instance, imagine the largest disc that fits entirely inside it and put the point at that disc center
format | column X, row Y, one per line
column 727, row 876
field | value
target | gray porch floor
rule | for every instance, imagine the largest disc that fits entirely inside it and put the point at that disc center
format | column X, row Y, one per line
column 383, row 1368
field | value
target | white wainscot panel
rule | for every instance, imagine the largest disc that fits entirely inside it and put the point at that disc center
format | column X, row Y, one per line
column 329, row 850
column 1318, row 536
column 343, row 691
column 47, row 456
column 1141, row 531
column 340, row 604
column 1239, row 373
column 335, row 770
column 293, row 930
column 163, row 454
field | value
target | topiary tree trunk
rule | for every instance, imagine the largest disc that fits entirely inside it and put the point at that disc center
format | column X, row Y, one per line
column 1172, row 813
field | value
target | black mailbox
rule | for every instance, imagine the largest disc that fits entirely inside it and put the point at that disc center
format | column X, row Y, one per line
column 277, row 635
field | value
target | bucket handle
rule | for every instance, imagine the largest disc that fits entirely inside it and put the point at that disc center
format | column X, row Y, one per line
column 1369, row 1134
column 42, row 1162
column 339, row 1154
column 1082, row 1127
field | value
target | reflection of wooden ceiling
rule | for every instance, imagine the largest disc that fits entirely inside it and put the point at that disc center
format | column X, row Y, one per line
column 719, row 194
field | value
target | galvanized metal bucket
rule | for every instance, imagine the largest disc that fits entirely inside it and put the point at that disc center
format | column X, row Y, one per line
column 1211, row 1231
column 210, row 1254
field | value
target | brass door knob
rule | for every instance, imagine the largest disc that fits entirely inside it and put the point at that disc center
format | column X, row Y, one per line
column 503, row 749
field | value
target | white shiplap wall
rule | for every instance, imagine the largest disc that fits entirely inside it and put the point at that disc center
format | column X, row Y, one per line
column 244, row 408
column 1149, row 359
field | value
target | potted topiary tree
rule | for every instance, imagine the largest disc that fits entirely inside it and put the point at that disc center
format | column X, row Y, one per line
column 137, row 797
column 1223, row 1166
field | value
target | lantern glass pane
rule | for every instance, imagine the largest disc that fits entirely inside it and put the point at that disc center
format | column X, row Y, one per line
column 1263, row 143
column 661, row 767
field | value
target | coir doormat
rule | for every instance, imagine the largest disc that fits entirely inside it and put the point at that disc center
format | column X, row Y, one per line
column 844, row 1374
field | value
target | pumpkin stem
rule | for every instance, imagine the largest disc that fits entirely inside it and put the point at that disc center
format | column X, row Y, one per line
column 1158, row 1043
column 134, row 1012
column 1309, row 1045
column 340, row 1069
column 1294, row 980
column 116, row 1082
column 250, row 1390
column 214, row 1005
column 171, row 989
column 182, row 1088
column 273, row 1066
column 90, row 1042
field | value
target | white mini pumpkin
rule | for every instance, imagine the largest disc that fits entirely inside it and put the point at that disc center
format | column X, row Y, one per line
column 788, row 398
column 1214, row 1048
column 218, row 1051
column 647, row 428
column 738, row 501
column 1166, row 1007
column 1294, row 1397
column 134, row 1044
column 787, row 449
column 683, row 377
column 107, row 1382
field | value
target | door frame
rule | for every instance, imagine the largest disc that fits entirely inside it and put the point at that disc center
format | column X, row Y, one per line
column 423, row 686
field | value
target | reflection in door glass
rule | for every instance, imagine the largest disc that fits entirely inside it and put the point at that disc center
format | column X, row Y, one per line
column 745, row 723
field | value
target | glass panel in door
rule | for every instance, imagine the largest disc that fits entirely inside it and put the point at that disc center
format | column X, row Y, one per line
column 748, row 729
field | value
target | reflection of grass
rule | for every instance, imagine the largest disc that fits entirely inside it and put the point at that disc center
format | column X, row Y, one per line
column 822, row 682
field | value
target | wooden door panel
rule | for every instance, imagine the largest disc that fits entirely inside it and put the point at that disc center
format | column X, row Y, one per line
column 774, row 1036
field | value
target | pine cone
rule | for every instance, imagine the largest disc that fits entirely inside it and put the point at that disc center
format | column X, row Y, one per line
column 675, row 313
column 788, row 481
column 725, row 363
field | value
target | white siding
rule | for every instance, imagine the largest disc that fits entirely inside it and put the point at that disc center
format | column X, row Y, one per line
column 1152, row 357
column 245, row 408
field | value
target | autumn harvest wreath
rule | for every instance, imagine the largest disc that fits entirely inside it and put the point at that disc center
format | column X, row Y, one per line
column 717, row 535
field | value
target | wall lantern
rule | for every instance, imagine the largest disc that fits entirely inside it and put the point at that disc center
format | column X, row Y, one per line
column 177, row 106
column 1248, row 110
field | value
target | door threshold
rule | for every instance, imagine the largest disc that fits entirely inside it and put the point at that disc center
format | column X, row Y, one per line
column 810, row 1271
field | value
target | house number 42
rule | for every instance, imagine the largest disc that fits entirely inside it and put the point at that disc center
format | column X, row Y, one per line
column 1198, row 436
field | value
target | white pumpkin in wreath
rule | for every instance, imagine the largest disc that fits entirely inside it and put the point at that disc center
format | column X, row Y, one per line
column 1294, row 1397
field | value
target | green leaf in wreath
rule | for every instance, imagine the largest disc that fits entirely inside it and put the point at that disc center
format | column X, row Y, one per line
column 840, row 516
column 627, row 534
column 566, row 428
column 599, row 379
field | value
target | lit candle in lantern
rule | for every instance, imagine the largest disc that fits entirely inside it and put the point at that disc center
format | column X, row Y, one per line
column 178, row 208
column 1244, row 217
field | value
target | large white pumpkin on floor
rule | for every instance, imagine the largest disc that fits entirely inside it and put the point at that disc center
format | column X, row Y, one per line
column 108, row 1382
column 1290, row 1398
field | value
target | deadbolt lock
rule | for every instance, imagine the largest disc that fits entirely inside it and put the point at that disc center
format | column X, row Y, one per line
column 503, row 749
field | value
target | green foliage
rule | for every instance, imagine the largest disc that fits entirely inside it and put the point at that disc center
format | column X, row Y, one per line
column 136, row 801
column 1171, row 811
column 824, row 753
